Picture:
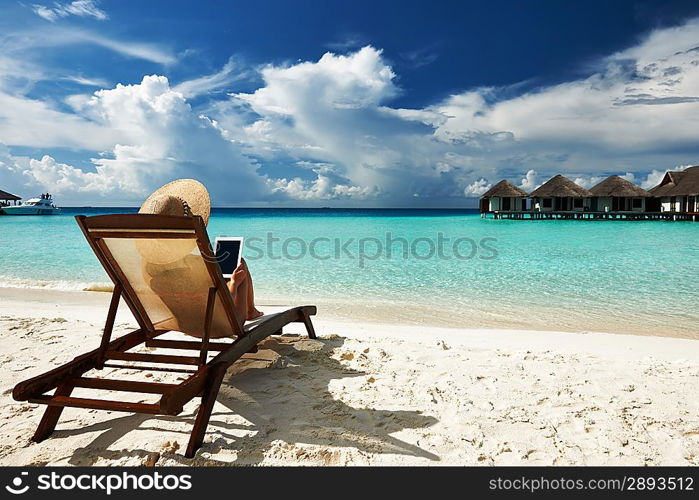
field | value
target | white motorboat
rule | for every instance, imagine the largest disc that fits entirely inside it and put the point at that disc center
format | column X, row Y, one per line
column 43, row 205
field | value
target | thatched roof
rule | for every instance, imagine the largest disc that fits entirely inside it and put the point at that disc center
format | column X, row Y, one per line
column 560, row 186
column 4, row 195
column 618, row 187
column 669, row 182
column 678, row 183
column 504, row 188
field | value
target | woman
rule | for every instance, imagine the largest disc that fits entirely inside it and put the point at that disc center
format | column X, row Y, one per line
column 187, row 197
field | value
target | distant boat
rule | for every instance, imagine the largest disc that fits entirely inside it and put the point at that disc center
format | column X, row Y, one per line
column 43, row 205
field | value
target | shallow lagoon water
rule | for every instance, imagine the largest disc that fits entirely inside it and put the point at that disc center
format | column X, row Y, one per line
column 626, row 276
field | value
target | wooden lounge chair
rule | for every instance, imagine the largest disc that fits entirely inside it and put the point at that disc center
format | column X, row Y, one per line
column 192, row 299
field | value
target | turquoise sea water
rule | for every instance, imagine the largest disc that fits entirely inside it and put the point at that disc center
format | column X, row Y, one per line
column 569, row 275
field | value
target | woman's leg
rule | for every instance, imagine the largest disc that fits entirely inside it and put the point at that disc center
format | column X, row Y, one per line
column 242, row 292
column 252, row 310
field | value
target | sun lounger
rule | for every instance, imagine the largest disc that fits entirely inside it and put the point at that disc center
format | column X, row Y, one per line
column 163, row 270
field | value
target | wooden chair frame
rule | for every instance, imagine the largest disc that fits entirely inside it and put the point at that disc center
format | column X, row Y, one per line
column 205, row 376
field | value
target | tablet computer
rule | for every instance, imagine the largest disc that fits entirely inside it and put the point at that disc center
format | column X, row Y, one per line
column 228, row 252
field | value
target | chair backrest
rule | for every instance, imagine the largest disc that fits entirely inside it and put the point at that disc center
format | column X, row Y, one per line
column 166, row 268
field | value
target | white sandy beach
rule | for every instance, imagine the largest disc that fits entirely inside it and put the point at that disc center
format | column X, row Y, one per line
column 372, row 394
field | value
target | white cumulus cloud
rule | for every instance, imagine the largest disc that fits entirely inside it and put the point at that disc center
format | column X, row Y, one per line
column 321, row 188
column 477, row 188
column 334, row 110
column 161, row 138
column 528, row 182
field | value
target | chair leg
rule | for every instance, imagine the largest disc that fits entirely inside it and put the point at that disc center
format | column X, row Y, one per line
column 208, row 399
column 51, row 415
column 309, row 326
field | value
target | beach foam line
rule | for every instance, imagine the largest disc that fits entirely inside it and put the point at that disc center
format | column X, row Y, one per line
column 99, row 287
column 71, row 286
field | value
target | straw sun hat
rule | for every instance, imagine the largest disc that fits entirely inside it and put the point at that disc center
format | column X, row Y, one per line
column 181, row 197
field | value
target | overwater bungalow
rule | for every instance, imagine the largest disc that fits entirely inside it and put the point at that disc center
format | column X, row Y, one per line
column 615, row 198
column 504, row 197
column 616, row 194
column 560, row 194
column 8, row 198
column 678, row 191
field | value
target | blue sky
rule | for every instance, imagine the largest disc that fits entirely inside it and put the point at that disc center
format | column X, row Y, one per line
column 342, row 103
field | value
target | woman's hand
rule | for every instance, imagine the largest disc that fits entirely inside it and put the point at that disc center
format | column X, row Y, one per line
column 240, row 273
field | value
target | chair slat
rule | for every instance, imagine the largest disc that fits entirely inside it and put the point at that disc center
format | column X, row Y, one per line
column 98, row 404
column 152, row 358
column 184, row 344
column 140, row 221
column 122, row 385
column 165, row 369
column 175, row 235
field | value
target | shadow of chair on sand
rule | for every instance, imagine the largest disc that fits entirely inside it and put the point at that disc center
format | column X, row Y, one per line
column 272, row 399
